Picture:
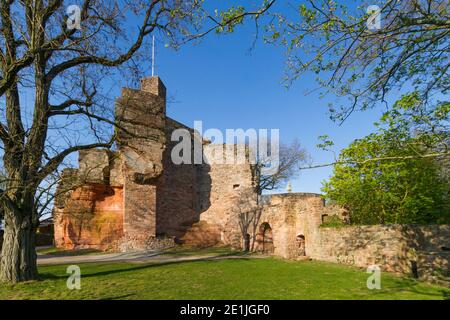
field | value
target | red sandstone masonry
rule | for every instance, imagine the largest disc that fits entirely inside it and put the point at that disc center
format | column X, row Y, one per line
column 141, row 139
column 159, row 197
column 176, row 192
column 392, row 247
column 124, row 199
column 92, row 218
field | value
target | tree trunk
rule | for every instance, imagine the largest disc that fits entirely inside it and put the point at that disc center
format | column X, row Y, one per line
column 18, row 256
column 247, row 242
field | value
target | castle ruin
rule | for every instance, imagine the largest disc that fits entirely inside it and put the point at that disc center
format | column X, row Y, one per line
column 131, row 198
column 136, row 198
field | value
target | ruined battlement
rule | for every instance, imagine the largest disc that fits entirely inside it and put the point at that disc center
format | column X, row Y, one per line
column 144, row 193
column 137, row 198
column 154, row 85
column 290, row 197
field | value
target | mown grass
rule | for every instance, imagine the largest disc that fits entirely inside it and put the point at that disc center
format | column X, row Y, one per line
column 58, row 252
column 240, row 278
column 186, row 251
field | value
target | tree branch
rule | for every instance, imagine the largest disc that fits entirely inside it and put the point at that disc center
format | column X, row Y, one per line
column 430, row 155
column 54, row 163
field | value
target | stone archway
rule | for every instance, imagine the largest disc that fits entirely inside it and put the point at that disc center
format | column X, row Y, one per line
column 301, row 245
column 264, row 239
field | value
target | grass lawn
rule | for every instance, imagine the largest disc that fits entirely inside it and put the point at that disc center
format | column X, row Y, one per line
column 178, row 251
column 61, row 252
column 221, row 279
column 186, row 251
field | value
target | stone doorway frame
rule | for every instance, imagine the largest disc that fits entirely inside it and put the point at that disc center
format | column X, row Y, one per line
column 265, row 238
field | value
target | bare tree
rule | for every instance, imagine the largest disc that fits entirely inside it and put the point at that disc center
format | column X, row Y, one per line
column 2, row 186
column 54, row 80
column 248, row 206
column 247, row 212
column 290, row 157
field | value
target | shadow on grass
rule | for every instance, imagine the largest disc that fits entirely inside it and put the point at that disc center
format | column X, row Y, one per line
column 412, row 286
column 119, row 297
column 446, row 294
column 184, row 251
column 228, row 256
column 54, row 252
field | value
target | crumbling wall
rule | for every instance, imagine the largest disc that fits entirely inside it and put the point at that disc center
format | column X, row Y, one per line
column 124, row 199
column 176, row 191
column 92, row 217
column 291, row 215
column 422, row 251
column 333, row 210
column 395, row 248
column 218, row 187
column 141, row 141
column 157, row 197
column 88, row 208
column 99, row 166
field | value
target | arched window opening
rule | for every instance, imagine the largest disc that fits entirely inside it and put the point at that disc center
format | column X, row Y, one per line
column 301, row 245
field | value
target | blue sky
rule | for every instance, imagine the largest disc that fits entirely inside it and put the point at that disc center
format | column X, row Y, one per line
column 225, row 85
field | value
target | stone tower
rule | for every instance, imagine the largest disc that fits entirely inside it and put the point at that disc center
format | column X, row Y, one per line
column 141, row 141
column 136, row 197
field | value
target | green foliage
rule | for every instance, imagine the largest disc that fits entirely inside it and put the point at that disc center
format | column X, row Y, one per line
column 409, row 49
column 386, row 191
column 397, row 175
column 230, row 18
column 333, row 222
column 325, row 142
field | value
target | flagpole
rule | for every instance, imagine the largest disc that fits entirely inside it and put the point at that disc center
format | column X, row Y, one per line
column 153, row 57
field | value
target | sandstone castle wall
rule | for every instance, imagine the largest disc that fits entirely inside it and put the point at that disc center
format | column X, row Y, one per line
column 136, row 198
column 188, row 202
column 406, row 249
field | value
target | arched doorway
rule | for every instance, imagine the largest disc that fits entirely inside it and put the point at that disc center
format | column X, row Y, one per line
column 264, row 239
column 301, row 249
column 246, row 243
